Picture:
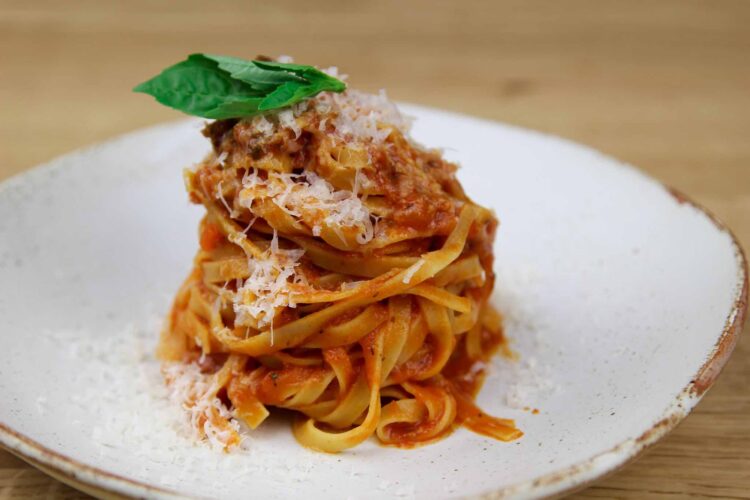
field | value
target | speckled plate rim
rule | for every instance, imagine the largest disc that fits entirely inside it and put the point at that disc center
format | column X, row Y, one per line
column 104, row 484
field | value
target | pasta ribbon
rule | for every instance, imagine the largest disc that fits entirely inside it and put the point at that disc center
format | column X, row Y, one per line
column 342, row 274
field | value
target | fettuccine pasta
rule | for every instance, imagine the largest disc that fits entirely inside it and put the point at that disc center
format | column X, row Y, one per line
column 342, row 274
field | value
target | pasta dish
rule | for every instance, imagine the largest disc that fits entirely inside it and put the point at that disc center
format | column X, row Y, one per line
column 342, row 275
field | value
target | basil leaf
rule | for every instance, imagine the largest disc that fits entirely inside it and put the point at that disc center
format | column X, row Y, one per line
column 255, row 76
column 308, row 73
column 195, row 86
column 221, row 87
column 234, row 108
column 286, row 95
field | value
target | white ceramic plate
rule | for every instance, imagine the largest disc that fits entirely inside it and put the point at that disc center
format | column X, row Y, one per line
column 623, row 299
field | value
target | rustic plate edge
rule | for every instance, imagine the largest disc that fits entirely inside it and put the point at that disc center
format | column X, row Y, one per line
column 583, row 474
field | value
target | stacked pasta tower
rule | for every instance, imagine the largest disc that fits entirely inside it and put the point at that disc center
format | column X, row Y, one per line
column 342, row 274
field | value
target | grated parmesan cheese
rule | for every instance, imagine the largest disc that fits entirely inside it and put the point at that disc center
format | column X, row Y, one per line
column 362, row 117
column 221, row 158
column 194, row 391
column 122, row 408
column 299, row 195
column 267, row 287
column 262, row 125
column 356, row 116
column 311, row 195
column 41, row 405
column 288, row 120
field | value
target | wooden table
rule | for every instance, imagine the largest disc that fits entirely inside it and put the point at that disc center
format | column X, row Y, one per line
column 663, row 85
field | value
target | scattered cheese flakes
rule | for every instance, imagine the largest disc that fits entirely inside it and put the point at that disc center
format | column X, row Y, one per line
column 263, row 125
column 288, row 120
column 41, row 405
column 301, row 196
column 356, row 116
column 221, row 158
column 310, row 195
column 220, row 196
column 122, row 406
column 195, row 392
column 333, row 71
column 349, row 285
column 412, row 270
column 267, row 287
column 529, row 383
column 362, row 117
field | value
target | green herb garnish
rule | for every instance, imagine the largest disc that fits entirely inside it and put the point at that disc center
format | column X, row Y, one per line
column 221, row 87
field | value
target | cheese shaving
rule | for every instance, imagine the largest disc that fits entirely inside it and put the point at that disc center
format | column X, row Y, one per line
column 412, row 270
column 220, row 196
column 288, row 120
column 221, row 158
column 263, row 125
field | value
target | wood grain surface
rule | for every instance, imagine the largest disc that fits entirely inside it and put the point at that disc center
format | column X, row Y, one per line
column 664, row 85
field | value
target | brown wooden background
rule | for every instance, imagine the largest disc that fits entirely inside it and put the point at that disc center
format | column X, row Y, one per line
column 664, row 85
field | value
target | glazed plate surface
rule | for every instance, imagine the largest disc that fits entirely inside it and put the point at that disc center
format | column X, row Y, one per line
column 622, row 298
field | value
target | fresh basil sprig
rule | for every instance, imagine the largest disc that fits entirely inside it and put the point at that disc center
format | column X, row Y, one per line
column 220, row 87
